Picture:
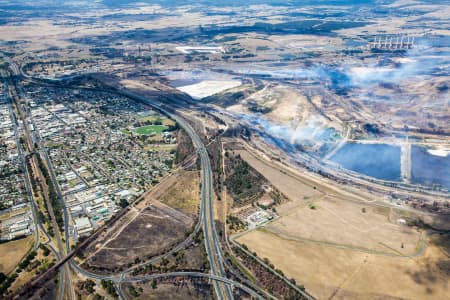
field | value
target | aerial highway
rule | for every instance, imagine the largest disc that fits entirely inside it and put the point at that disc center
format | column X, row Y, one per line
column 25, row 170
column 206, row 214
column 31, row 139
column 228, row 282
column 206, row 217
column 38, row 224
column 212, row 243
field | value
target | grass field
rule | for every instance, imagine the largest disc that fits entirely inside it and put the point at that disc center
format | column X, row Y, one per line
column 351, row 224
column 11, row 253
column 330, row 272
column 160, row 147
column 185, row 193
column 291, row 187
column 342, row 247
column 150, row 129
column 165, row 121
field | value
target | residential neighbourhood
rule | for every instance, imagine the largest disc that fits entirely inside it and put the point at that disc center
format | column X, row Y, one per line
column 103, row 150
column 15, row 215
column 224, row 150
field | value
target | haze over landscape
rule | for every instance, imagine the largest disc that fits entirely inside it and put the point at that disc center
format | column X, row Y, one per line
column 225, row 149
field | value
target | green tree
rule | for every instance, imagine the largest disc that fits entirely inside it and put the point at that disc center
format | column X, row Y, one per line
column 154, row 284
column 123, row 203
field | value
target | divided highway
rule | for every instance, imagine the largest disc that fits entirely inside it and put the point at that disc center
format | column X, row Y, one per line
column 212, row 243
column 222, row 285
column 16, row 95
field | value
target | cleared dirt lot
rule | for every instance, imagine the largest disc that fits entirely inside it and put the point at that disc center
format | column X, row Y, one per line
column 11, row 253
column 161, row 220
column 145, row 234
column 330, row 272
column 361, row 225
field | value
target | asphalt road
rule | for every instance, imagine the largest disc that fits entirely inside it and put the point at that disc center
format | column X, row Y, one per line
column 215, row 278
column 26, row 173
column 35, row 139
column 214, row 252
column 212, row 243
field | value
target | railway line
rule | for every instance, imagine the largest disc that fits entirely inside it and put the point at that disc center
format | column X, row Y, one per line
column 218, row 275
column 17, row 95
column 206, row 219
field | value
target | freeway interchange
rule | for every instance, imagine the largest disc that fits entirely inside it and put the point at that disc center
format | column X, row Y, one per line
column 34, row 146
column 222, row 285
column 212, row 243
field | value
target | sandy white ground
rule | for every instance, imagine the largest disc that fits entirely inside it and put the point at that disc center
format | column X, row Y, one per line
column 208, row 87
column 201, row 49
column 439, row 152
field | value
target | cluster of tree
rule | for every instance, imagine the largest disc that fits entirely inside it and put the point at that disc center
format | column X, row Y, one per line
column 123, row 203
column 185, row 147
column 135, row 292
column 88, row 285
column 439, row 130
column 45, row 250
column 244, row 182
column 235, row 223
column 24, row 263
column 173, row 127
column 253, row 107
column 168, row 163
column 54, row 200
column 32, row 178
column 154, row 284
column 274, row 284
column 109, row 287
column 43, row 265
column 157, row 121
column 215, row 156
column 6, row 283
column 372, row 128
column 148, row 268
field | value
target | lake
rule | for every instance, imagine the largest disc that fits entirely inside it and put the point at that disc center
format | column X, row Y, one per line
column 429, row 169
column 381, row 161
